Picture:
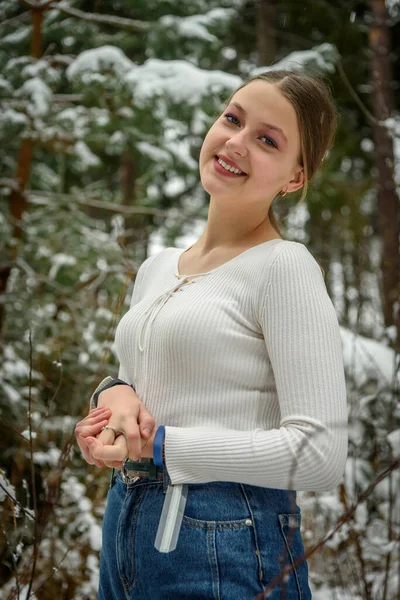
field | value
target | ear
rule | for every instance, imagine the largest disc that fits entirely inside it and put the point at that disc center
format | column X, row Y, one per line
column 297, row 182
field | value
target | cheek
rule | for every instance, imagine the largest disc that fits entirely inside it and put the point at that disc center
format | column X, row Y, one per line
column 208, row 147
column 267, row 171
column 213, row 138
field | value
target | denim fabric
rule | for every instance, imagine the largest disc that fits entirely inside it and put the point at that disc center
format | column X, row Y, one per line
column 234, row 541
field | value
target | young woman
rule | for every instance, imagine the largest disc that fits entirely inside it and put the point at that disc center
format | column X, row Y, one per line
column 231, row 357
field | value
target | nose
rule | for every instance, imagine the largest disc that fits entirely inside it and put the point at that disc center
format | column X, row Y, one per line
column 237, row 143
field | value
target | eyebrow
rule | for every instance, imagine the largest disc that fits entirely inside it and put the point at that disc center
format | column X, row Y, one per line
column 275, row 127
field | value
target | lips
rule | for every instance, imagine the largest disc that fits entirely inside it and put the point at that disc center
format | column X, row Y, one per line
column 230, row 162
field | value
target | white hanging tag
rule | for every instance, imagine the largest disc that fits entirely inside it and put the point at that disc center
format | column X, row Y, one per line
column 171, row 518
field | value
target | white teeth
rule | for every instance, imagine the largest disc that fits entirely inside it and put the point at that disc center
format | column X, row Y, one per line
column 228, row 167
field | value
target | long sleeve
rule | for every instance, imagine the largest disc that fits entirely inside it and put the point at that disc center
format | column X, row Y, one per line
column 309, row 448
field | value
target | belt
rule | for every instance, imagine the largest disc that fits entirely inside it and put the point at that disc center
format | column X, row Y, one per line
column 143, row 468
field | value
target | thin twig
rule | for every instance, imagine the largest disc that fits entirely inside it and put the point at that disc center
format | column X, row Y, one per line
column 37, row 197
column 356, row 97
column 16, row 18
column 36, row 528
column 343, row 519
column 11, row 427
column 54, row 571
column 16, row 502
column 14, row 564
column 120, row 22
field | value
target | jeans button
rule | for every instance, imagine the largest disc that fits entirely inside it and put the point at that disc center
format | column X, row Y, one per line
column 249, row 522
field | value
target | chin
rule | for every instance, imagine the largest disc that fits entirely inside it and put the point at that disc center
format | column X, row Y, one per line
column 214, row 188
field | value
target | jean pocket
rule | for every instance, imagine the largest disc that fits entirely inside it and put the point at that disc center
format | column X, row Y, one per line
column 227, row 551
column 290, row 528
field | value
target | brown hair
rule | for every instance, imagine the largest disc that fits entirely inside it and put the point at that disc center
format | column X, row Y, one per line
column 317, row 119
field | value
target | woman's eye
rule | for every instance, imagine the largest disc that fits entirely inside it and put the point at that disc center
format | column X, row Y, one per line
column 270, row 141
column 229, row 117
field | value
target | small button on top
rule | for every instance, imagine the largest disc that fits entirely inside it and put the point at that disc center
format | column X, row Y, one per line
column 249, row 522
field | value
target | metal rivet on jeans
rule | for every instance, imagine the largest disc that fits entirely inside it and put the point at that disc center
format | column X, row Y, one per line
column 249, row 522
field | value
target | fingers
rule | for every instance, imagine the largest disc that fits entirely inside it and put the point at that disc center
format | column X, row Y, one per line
column 133, row 440
column 117, row 464
column 146, row 422
column 92, row 420
column 106, row 437
column 117, row 452
column 89, row 426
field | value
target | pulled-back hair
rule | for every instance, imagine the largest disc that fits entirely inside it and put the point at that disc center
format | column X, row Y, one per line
column 317, row 118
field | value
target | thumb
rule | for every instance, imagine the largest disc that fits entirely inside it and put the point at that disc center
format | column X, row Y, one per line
column 146, row 422
column 146, row 433
column 92, row 442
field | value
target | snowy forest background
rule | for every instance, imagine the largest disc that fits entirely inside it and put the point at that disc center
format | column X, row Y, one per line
column 104, row 105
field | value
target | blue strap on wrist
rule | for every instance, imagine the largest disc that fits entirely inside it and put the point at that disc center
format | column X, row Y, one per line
column 157, row 446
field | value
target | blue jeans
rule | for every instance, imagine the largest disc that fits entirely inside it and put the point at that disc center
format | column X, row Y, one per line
column 234, row 541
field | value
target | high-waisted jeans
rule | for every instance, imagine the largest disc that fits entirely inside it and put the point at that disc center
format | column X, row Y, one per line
column 234, row 541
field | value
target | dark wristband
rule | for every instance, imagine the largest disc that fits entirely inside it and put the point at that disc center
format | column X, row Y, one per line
column 96, row 395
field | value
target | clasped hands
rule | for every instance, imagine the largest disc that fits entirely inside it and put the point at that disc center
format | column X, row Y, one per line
column 122, row 410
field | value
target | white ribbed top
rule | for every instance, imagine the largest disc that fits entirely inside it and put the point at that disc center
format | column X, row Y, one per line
column 244, row 367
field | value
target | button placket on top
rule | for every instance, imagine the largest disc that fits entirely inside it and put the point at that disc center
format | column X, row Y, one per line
column 152, row 311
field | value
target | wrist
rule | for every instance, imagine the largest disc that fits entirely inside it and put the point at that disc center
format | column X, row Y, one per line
column 107, row 383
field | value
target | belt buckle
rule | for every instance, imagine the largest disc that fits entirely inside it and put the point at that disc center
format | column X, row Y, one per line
column 147, row 471
column 128, row 478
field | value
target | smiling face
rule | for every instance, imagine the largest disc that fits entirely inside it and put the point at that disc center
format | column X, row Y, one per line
column 258, row 134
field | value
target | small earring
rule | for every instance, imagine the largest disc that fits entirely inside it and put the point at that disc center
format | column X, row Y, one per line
column 282, row 193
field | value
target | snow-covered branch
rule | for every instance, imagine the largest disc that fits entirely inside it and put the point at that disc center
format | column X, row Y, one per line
column 121, row 22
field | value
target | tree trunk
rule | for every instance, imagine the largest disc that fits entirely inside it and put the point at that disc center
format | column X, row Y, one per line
column 266, row 18
column 36, row 41
column 17, row 196
column 387, row 198
column 128, row 192
column 127, row 177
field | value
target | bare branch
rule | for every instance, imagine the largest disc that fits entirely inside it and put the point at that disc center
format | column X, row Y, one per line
column 355, row 96
column 37, row 198
column 349, row 514
column 120, row 22
column 127, row 210
column 16, row 502
column 61, row 98
column 53, row 572
column 33, row 482
column 16, row 18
